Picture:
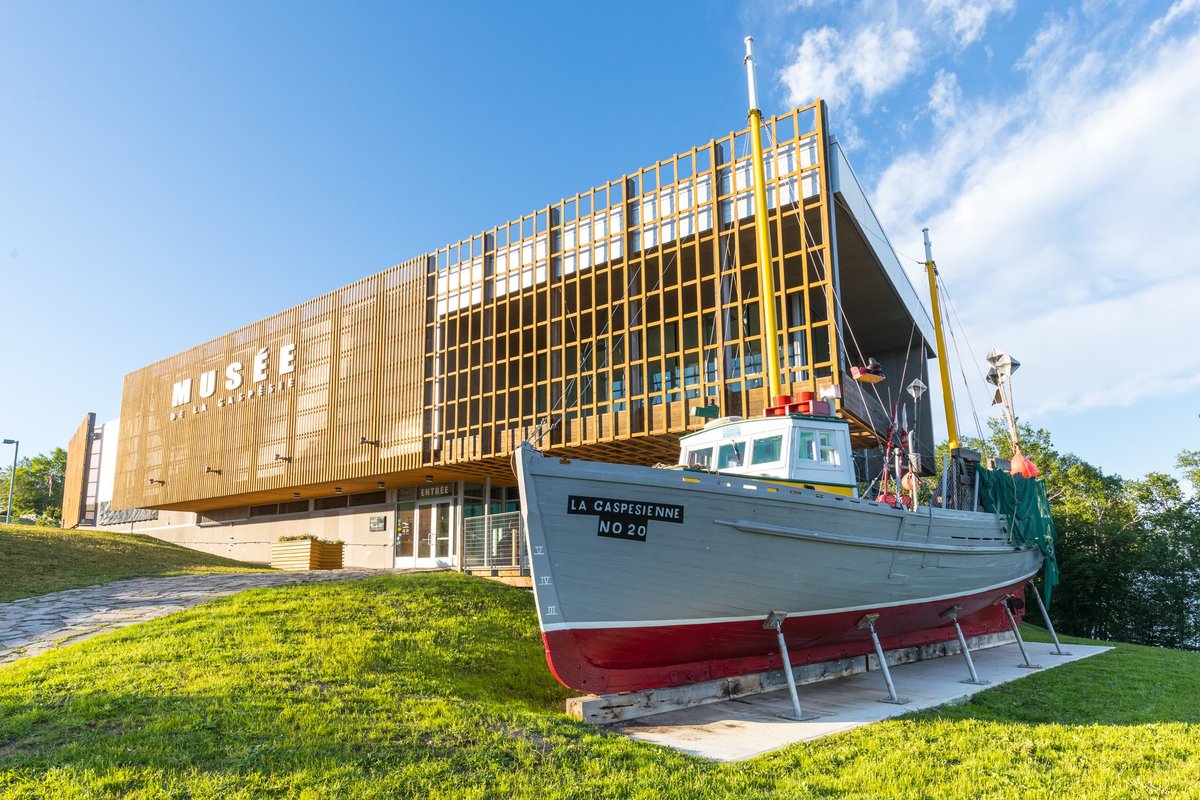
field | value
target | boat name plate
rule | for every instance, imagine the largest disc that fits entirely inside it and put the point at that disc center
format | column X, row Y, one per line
column 623, row 519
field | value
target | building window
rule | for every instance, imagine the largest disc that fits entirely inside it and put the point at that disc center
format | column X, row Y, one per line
column 326, row 503
column 368, row 498
column 505, row 499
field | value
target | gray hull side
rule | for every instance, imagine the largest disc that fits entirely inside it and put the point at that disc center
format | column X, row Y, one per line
column 743, row 548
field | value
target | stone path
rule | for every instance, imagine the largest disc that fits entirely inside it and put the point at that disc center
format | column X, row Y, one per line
column 38, row 624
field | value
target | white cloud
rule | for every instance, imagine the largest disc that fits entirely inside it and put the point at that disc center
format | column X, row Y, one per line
column 1180, row 10
column 968, row 18
column 867, row 63
column 891, row 42
column 814, row 71
column 1065, row 221
column 944, row 97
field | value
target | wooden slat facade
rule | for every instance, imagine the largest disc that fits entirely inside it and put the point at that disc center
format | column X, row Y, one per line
column 75, row 481
column 305, row 554
column 596, row 324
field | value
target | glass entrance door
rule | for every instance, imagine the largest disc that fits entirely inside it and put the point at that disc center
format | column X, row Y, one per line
column 425, row 534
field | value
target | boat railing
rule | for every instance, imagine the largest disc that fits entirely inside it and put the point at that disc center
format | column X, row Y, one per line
column 494, row 541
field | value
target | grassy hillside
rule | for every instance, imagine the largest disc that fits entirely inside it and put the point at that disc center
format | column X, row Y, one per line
column 435, row 685
column 38, row 560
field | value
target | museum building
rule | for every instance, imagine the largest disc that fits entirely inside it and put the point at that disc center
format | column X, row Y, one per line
column 384, row 413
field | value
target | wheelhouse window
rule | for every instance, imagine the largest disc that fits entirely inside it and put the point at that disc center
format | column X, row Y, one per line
column 701, row 457
column 730, row 455
column 820, row 446
column 766, row 450
column 828, row 449
column 806, row 445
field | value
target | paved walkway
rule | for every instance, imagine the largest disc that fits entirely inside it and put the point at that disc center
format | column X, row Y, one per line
column 38, row 624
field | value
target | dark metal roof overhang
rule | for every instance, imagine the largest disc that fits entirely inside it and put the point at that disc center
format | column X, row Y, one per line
column 884, row 317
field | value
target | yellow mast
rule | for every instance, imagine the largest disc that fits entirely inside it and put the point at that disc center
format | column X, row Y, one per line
column 766, row 269
column 942, row 356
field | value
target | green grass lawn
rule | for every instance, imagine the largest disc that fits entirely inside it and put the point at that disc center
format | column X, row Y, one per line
column 435, row 685
column 38, row 560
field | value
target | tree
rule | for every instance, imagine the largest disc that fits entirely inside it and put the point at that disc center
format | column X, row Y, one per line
column 39, row 486
column 1189, row 464
column 1128, row 550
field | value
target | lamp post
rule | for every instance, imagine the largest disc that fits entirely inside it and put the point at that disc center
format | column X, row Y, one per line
column 12, row 478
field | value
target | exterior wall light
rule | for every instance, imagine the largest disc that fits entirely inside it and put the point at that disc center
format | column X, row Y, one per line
column 337, row 490
column 211, row 471
column 365, row 440
column 157, row 482
column 295, row 494
column 429, row 479
column 380, row 485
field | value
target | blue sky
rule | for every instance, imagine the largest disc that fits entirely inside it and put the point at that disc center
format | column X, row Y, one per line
column 171, row 171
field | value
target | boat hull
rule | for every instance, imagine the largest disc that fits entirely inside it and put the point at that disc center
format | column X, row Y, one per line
column 607, row 660
column 648, row 577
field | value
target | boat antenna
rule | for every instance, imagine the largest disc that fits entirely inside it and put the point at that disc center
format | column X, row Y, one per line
column 766, row 268
column 942, row 354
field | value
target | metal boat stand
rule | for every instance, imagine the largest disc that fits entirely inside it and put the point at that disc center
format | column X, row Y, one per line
column 1058, row 651
column 1012, row 621
column 869, row 622
column 952, row 615
column 774, row 622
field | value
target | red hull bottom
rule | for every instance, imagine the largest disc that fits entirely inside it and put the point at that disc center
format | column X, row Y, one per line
column 607, row 660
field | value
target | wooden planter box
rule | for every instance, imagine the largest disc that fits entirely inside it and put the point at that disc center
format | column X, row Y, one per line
column 305, row 554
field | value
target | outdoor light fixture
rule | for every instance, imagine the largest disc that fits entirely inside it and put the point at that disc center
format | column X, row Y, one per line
column 157, row 482
column 429, row 479
column 379, row 485
column 212, row 471
column 295, row 494
column 365, row 440
column 337, row 490
column 916, row 389
column 279, row 457
column 12, row 477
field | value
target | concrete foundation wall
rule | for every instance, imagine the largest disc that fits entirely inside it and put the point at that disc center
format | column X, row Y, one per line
column 251, row 540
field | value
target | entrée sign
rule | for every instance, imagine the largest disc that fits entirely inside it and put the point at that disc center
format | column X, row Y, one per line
column 285, row 365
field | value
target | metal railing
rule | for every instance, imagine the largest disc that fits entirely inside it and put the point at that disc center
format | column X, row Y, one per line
column 495, row 541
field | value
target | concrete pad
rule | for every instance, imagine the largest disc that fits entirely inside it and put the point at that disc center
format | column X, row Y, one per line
column 734, row 730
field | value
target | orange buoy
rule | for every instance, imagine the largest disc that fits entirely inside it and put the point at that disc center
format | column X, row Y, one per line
column 1020, row 465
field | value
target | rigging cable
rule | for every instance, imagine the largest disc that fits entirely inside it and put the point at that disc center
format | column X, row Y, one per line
column 538, row 433
column 966, row 384
column 831, row 299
